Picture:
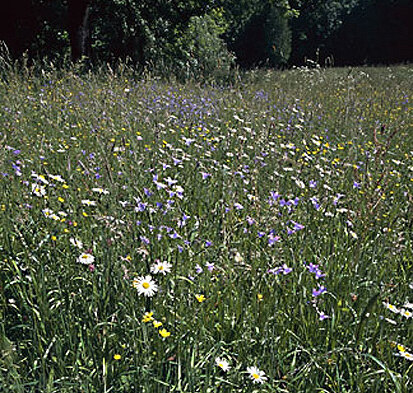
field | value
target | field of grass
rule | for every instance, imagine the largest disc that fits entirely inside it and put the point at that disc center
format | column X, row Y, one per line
column 273, row 216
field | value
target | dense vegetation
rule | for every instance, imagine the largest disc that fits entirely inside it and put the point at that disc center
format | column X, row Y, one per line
column 272, row 215
column 199, row 37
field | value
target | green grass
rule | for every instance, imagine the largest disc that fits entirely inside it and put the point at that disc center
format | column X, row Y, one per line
column 317, row 162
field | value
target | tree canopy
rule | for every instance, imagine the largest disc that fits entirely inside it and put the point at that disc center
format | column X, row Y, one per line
column 194, row 34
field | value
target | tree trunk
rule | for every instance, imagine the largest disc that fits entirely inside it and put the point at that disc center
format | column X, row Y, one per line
column 78, row 14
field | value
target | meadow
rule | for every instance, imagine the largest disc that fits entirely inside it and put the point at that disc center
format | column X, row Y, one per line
column 253, row 236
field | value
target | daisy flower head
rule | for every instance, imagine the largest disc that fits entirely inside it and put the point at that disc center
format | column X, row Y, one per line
column 392, row 308
column 88, row 202
column 161, row 268
column 256, row 375
column 222, row 364
column 38, row 190
column 407, row 355
column 57, row 178
column 86, row 259
column 145, row 285
column 100, row 190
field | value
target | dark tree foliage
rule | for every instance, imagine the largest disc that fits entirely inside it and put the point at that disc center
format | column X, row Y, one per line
column 317, row 22
column 259, row 32
column 265, row 39
column 376, row 32
column 18, row 25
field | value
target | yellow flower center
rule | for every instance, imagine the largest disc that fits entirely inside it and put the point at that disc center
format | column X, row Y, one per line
column 255, row 376
column 146, row 285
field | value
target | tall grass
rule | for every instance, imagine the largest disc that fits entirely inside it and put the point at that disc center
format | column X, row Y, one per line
column 244, row 189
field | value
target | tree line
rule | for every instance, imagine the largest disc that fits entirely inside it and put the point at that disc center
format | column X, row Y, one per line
column 204, row 36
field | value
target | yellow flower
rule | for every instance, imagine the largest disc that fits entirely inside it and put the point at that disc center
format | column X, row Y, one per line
column 117, row 357
column 164, row 333
column 200, row 298
column 157, row 324
column 147, row 317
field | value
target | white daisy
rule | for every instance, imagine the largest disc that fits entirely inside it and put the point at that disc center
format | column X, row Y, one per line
column 145, row 286
column 40, row 178
column 407, row 355
column 38, row 190
column 57, row 178
column 47, row 212
column 161, row 268
column 392, row 308
column 86, row 259
column 256, row 375
column 100, row 190
column 406, row 313
column 87, row 202
column 222, row 364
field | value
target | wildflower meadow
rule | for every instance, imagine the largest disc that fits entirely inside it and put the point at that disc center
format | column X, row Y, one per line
column 252, row 236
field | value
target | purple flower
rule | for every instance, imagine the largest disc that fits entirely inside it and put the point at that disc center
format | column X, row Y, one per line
column 210, row 266
column 205, row 175
column 313, row 184
column 144, row 239
column 286, row 269
column 250, row 220
column 317, row 292
column 174, row 236
column 272, row 239
column 198, row 269
column 297, row 226
column 275, row 195
column 315, row 202
column 323, row 316
column 356, row 185
column 141, row 207
column 283, row 269
column 315, row 270
column 238, row 206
